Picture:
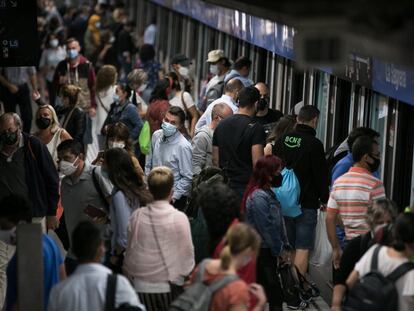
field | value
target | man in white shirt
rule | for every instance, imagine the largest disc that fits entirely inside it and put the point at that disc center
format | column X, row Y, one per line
column 231, row 91
column 85, row 290
column 150, row 33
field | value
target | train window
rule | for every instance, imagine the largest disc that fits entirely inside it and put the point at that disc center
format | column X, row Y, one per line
column 322, row 102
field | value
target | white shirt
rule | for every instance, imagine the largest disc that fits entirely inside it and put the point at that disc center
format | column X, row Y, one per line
column 85, row 290
column 104, row 99
column 51, row 58
column 149, row 34
column 205, row 119
column 386, row 265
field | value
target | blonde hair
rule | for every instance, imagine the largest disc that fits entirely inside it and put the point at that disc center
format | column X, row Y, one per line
column 239, row 237
column 72, row 92
column 160, row 182
column 137, row 77
column 55, row 121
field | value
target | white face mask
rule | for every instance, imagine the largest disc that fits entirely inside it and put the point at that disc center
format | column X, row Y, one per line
column 116, row 144
column 142, row 88
column 54, row 43
column 184, row 71
column 8, row 236
column 68, row 168
column 213, row 69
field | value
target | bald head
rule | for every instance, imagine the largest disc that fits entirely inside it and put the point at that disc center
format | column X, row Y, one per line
column 263, row 89
column 233, row 86
column 219, row 111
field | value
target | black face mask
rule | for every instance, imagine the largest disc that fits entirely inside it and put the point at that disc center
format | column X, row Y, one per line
column 43, row 123
column 262, row 104
column 8, row 139
column 373, row 167
column 276, row 181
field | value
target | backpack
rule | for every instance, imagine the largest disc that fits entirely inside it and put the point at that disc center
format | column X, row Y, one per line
column 214, row 93
column 288, row 193
column 110, row 297
column 198, row 296
column 290, row 284
column 144, row 138
column 374, row 291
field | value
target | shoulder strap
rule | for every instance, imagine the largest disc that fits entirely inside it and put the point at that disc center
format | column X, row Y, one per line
column 102, row 104
column 374, row 261
column 201, row 270
column 223, row 282
column 183, row 101
column 98, row 188
column 400, row 271
column 158, row 242
column 110, row 292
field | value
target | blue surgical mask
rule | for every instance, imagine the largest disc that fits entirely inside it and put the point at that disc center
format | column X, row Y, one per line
column 73, row 53
column 168, row 129
column 116, row 98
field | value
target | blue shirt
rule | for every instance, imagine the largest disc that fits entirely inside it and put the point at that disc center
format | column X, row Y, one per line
column 235, row 74
column 52, row 260
column 343, row 166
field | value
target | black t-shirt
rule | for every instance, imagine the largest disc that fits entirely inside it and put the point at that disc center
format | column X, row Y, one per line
column 235, row 137
column 269, row 120
column 353, row 252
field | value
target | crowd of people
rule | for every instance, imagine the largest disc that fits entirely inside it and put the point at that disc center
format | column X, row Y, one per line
column 142, row 192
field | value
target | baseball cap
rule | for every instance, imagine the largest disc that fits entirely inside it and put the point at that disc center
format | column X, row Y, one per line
column 215, row 56
column 181, row 60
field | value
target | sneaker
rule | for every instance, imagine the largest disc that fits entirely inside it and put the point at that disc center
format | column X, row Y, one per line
column 297, row 305
column 306, row 295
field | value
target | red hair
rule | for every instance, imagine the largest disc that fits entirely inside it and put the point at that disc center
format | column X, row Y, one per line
column 265, row 167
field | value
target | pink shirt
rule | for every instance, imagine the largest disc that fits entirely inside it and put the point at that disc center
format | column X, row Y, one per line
column 143, row 259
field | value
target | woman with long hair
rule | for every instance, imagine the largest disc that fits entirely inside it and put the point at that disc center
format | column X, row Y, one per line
column 129, row 194
column 183, row 99
column 118, row 137
column 263, row 212
column 49, row 130
column 74, row 121
column 283, row 126
column 242, row 246
column 158, row 104
column 105, row 91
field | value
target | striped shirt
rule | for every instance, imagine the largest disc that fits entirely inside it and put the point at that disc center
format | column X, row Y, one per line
column 351, row 195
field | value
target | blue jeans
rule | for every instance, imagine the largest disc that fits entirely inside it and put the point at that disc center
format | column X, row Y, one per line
column 301, row 229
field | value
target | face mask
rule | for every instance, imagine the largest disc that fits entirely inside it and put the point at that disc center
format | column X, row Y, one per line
column 262, row 104
column 213, row 69
column 54, row 43
column 183, row 71
column 116, row 144
column 168, row 129
column 73, row 53
column 276, row 181
column 98, row 25
column 116, row 98
column 112, row 40
column 67, row 168
column 8, row 236
column 43, row 123
column 142, row 88
column 373, row 167
column 8, row 139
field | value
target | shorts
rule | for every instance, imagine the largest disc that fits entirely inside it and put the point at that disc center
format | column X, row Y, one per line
column 301, row 229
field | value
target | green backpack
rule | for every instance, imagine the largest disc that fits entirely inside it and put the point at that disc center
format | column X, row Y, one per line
column 144, row 138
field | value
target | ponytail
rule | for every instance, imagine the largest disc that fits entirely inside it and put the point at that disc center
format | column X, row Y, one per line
column 225, row 258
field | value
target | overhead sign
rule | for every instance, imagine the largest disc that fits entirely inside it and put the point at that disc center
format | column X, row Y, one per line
column 18, row 33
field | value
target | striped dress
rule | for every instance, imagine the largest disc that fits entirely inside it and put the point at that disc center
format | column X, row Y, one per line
column 350, row 197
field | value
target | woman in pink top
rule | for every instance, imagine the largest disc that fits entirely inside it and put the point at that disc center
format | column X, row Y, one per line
column 159, row 249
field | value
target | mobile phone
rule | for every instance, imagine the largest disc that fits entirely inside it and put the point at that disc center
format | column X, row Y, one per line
column 94, row 212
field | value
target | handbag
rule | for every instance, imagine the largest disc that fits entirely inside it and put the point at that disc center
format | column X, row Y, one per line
column 175, row 290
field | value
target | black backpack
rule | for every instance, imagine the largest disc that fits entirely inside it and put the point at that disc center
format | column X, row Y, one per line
column 110, row 297
column 332, row 159
column 374, row 291
column 214, row 93
column 198, row 296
